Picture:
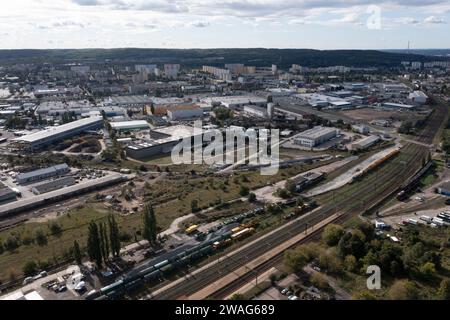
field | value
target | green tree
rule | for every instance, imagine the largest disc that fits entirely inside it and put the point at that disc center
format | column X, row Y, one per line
column 295, row 260
column 41, row 238
column 332, row 234
column 30, row 268
column 149, row 232
column 428, row 270
column 319, row 280
column 403, row 290
column 114, row 236
column 291, row 186
column 251, row 197
column 194, row 206
column 77, row 252
column 350, row 263
column 93, row 245
column 101, row 234
column 55, row 228
column 11, row 243
column 444, row 289
column 364, row 295
column 105, row 242
column 244, row 191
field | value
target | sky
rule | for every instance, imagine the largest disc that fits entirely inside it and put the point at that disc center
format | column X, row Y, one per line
column 316, row 24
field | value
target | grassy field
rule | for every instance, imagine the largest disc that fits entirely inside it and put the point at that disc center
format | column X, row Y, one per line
column 172, row 198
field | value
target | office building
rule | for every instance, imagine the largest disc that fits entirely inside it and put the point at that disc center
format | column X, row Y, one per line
column 171, row 70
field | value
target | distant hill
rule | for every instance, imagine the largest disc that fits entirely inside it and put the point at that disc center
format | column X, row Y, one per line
column 425, row 52
column 196, row 57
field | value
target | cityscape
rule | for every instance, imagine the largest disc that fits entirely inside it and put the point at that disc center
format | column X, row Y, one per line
column 244, row 174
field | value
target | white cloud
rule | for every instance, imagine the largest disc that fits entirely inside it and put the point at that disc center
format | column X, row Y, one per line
column 434, row 20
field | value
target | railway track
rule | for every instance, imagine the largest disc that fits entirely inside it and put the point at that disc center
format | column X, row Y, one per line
column 355, row 199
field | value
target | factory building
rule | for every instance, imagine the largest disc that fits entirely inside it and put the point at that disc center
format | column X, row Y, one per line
column 42, row 174
column 256, row 111
column 130, row 125
column 163, row 141
column 53, row 185
column 361, row 128
column 395, row 88
column 398, row 106
column 316, row 136
column 179, row 114
column 128, row 101
column 364, row 143
column 54, row 134
column 236, row 102
column 418, row 98
column 7, row 194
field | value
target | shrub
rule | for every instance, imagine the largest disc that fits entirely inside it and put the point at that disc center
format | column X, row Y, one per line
column 30, row 268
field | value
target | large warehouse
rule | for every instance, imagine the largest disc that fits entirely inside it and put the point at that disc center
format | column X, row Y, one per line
column 316, row 136
column 163, row 141
column 53, row 134
column 43, row 174
column 130, row 125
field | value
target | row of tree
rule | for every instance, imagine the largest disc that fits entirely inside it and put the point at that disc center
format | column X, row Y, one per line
column 103, row 241
column 104, row 238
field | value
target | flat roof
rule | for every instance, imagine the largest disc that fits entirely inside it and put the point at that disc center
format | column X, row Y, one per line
column 316, row 132
column 52, row 131
column 44, row 171
column 130, row 124
column 398, row 105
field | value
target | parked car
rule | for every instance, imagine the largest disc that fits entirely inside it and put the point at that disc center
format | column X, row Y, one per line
column 293, row 298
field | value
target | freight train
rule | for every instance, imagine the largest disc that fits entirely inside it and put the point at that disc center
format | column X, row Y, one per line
column 157, row 271
column 413, row 182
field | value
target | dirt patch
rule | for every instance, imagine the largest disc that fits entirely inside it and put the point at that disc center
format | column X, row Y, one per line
column 369, row 114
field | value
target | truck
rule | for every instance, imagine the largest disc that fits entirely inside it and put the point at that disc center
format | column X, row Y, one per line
column 192, row 229
column 427, row 219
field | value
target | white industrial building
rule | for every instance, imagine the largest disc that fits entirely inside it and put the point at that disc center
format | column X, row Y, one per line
column 43, row 174
column 418, row 97
column 316, row 136
column 361, row 128
column 395, row 88
column 322, row 100
column 130, row 125
column 163, row 141
column 256, row 111
column 184, row 114
column 236, row 102
column 57, row 133
column 398, row 106
column 364, row 143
